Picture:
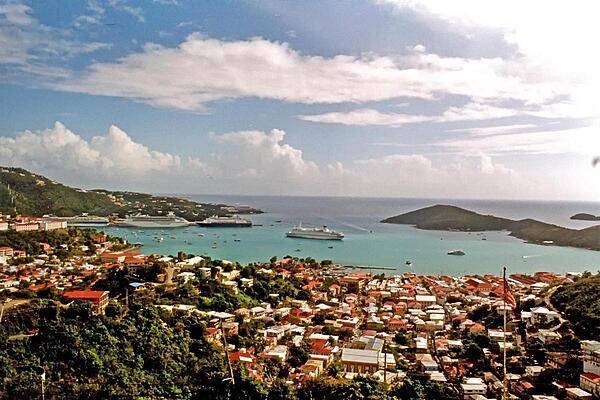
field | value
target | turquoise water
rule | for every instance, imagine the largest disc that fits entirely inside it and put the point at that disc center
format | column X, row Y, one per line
column 370, row 243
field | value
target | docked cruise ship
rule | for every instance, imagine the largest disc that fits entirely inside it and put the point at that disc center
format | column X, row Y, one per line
column 153, row 221
column 86, row 220
column 323, row 233
column 226, row 221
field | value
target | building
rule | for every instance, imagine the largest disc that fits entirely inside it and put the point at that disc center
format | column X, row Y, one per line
column 6, row 252
column 3, row 226
column 52, row 224
column 25, row 226
column 98, row 298
column 590, row 383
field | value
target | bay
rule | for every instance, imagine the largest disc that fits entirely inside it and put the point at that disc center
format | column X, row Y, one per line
column 371, row 243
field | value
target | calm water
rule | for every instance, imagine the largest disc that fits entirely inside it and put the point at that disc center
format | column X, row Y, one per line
column 371, row 243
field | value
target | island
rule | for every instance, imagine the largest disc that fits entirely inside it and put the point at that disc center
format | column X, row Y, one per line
column 452, row 218
column 585, row 217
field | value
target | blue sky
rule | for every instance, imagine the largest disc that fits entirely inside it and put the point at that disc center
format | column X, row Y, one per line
column 370, row 98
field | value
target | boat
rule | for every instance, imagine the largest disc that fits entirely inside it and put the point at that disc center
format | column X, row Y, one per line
column 232, row 221
column 323, row 233
column 456, row 253
column 408, row 262
column 86, row 220
column 153, row 221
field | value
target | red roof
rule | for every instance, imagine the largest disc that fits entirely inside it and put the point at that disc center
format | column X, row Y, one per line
column 85, row 294
column 592, row 377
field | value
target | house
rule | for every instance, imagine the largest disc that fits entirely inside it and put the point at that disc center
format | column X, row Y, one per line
column 472, row 387
column 3, row 226
column 98, row 298
column 591, row 383
column 575, row 393
column 6, row 251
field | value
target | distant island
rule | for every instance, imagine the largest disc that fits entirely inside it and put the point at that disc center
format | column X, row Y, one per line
column 451, row 218
column 28, row 193
column 585, row 217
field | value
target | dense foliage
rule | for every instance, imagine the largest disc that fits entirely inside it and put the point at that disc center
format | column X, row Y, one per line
column 580, row 301
column 146, row 353
column 66, row 241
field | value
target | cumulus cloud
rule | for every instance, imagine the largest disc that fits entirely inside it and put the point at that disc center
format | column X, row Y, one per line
column 61, row 152
column 369, row 116
column 202, row 70
column 264, row 153
column 247, row 162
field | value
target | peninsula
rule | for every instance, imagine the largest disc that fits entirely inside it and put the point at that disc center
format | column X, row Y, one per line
column 451, row 218
column 25, row 192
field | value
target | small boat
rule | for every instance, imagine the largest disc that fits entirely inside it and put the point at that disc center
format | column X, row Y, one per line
column 330, row 247
column 456, row 253
column 408, row 262
column 297, row 250
column 278, row 221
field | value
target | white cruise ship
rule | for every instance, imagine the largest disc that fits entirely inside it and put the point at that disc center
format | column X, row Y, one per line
column 86, row 220
column 225, row 221
column 154, row 221
column 323, row 233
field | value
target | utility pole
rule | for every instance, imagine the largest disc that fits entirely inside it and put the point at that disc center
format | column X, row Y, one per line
column 504, row 376
column 43, row 379
column 227, row 354
column 3, row 305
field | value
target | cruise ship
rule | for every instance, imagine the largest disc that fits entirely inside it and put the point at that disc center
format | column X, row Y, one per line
column 153, row 221
column 323, row 233
column 226, row 221
column 86, row 220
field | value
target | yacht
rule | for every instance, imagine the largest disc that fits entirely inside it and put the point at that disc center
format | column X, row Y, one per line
column 154, row 221
column 323, row 233
column 225, row 221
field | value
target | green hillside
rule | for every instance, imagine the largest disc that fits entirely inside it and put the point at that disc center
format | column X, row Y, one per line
column 24, row 192
column 27, row 193
column 580, row 301
column 445, row 217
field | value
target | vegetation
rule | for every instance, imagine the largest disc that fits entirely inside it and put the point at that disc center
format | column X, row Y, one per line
column 444, row 217
column 27, row 193
column 68, row 242
column 580, row 302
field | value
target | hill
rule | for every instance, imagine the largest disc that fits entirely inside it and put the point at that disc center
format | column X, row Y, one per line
column 27, row 193
column 580, row 301
column 585, row 217
column 446, row 217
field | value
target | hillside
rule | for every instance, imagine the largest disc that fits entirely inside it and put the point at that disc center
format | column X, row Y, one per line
column 580, row 301
column 445, row 217
column 27, row 193
column 33, row 194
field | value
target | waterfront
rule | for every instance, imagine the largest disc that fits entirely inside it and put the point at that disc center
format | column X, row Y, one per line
column 369, row 242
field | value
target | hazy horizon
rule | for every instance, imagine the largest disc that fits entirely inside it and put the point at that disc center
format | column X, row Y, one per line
column 374, row 98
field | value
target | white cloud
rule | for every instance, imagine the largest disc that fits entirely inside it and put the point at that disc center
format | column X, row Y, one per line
column 26, row 45
column 558, row 37
column 256, row 162
column 264, row 153
column 368, row 116
column 201, row 70
column 579, row 141
column 59, row 150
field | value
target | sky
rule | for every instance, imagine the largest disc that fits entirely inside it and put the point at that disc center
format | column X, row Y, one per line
column 394, row 98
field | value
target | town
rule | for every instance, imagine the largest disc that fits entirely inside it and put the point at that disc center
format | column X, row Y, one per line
column 299, row 323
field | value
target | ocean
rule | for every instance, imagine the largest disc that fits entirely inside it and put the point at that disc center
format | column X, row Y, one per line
column 373, row 244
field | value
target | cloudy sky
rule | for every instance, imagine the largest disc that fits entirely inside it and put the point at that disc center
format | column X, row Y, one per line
column 405, row 98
